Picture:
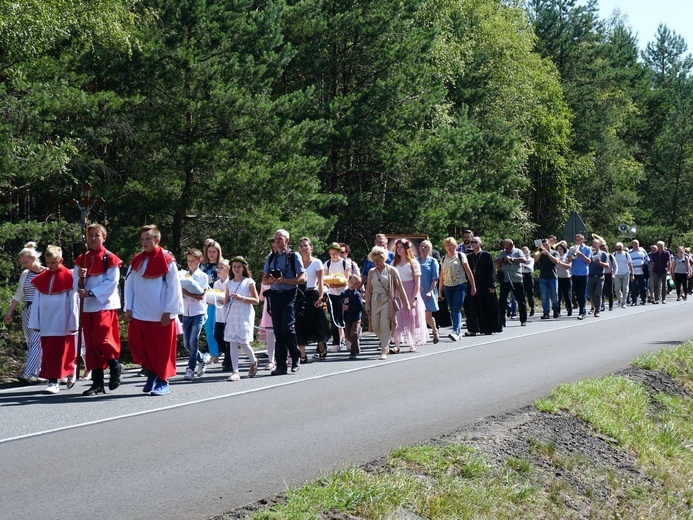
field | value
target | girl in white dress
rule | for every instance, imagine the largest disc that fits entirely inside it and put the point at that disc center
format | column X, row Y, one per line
column 241, row 295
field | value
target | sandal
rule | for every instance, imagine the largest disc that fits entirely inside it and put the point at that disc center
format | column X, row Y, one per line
column 436, row 337
column 393, row 350
column 252, row 370
column 322, row 354
column 270, row 366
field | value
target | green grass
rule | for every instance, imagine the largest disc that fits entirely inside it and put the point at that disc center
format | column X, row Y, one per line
column 455, row 481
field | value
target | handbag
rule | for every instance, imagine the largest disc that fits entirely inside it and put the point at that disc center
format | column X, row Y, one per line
column 396, row 303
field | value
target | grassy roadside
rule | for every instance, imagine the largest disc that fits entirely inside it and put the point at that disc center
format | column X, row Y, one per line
column 615, row 447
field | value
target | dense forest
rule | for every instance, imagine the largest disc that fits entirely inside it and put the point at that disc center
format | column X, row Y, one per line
column 337, row 119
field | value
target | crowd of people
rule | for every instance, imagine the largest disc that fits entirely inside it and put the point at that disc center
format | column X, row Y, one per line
column 308, row 301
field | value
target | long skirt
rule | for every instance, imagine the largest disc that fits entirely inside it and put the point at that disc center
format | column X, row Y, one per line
column 481, row 311
column 312, row 324
column 411, row 325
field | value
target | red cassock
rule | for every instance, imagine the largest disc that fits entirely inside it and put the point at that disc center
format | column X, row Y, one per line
column 100, row 324
column 54, row 314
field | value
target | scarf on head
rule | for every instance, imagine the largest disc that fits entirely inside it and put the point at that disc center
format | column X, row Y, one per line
column 93, row 261
column 156, row 266
column 50, row 282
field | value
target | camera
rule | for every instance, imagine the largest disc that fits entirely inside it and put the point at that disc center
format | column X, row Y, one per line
column 275, row 273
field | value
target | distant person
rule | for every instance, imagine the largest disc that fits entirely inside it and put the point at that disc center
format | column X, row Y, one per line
column 527, row 279
column 481, row 303
column 411, row 324
column 581, row 257
column 153, row 301
column 509, row 262
column 352, row 307
column 640, row 264
column 241, row 296
column 382, row 286
column 312, row 323
column 211, row 256
column 336, row 273
column 380, row 241
column 564, row 278
column 194, row 316
column 547, row 260
column 466, row 245
column 624, row 274
column 29, row 258
column 680, row 272
column 96, row 278
column 54, row 314
column 660, row 266
column 283, row 272
column 452, row 284
column 220, row 286
column 430, row 269
column 595, row 281
column 344, row 255
column 609, row 278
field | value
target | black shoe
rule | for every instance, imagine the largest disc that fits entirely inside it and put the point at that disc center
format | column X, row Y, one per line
column 227, row 368
column 304, row 360
column 114, row 377
column 544, row 316
column 531, row 313
column 279, row 372
column 295, row 367
column 556, row 314
column 570, row 313
column 94, row 390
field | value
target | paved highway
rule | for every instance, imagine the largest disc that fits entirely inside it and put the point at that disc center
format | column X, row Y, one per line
column 212, row 446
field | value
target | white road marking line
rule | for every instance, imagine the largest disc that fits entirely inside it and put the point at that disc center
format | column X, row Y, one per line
column 496, row 339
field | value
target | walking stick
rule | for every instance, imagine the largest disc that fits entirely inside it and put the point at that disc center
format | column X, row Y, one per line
column 84, row 206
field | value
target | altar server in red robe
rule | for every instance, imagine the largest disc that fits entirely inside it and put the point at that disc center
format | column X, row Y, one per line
column 153, row 300
column 99, row 271
column 54, row 314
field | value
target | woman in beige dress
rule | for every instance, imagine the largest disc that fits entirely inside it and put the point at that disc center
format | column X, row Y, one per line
column 383, row 281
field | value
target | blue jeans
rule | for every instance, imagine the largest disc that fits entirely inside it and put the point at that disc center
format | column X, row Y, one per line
column 192, row 325
column 455, row 297
column 548, row 288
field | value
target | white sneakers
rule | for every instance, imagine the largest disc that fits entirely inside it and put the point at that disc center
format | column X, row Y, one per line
column 52, row 388
column 189, row 374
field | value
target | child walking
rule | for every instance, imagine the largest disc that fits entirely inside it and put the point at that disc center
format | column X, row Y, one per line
column 194, row 316
column 223, row 271
column 352, row 306
column 241, row 295
column 54, row 314
column 266, row 326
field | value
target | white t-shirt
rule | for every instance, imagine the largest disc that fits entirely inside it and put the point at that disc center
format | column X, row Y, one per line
column 312, row 273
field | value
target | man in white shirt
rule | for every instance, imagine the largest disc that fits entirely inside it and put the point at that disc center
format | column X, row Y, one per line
column 624, row 273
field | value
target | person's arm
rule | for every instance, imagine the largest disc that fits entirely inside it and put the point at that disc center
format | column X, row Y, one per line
column 18, row 296
column 253, row 299
column 470, row 278
column 434, row 275
column 198, row 297
column 174, row 296
column 441, row 294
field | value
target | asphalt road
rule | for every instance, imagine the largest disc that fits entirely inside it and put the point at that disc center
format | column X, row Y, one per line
column 212, row 446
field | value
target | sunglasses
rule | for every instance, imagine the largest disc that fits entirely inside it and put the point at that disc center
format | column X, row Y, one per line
column 474, row 242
